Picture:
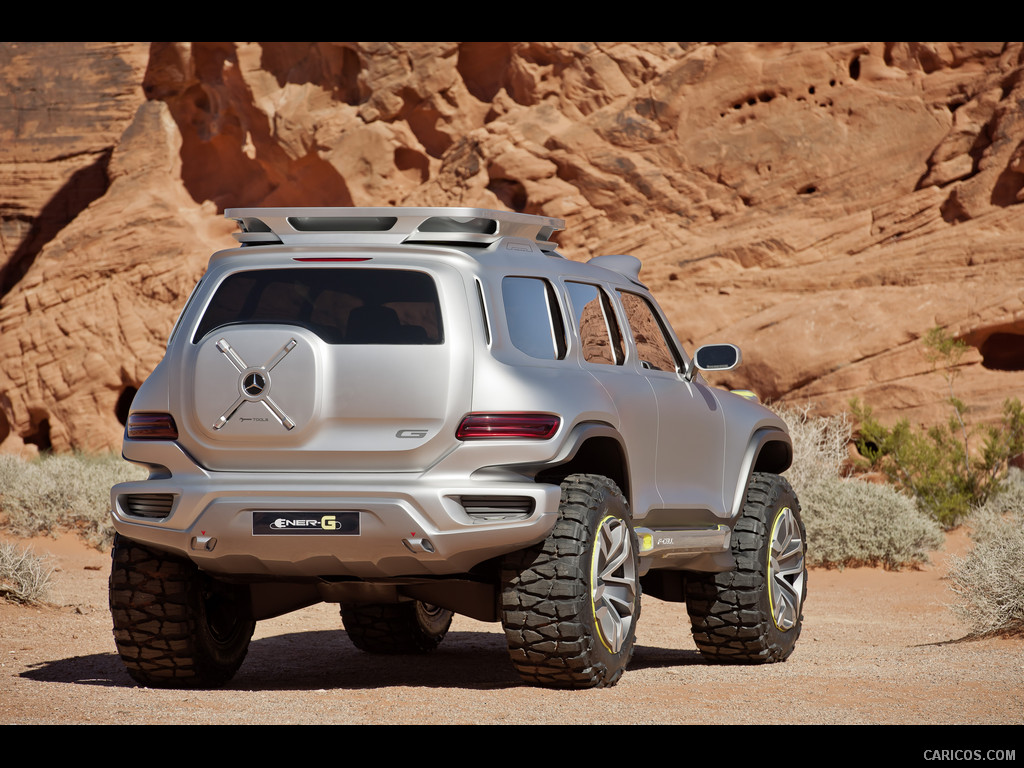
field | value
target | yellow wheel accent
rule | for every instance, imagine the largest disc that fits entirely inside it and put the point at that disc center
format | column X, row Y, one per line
column 614, row 588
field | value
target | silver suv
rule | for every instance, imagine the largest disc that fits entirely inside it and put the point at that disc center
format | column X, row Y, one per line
column 415, row 412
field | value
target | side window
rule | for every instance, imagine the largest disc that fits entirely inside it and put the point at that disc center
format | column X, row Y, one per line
column 599, row 331
column 483, row 311
column 652, row 343
column 534, row 320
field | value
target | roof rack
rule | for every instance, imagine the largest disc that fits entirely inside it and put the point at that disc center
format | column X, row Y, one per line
column 330, row 226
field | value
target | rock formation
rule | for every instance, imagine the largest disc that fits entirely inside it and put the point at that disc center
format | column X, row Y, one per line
column 821, row 205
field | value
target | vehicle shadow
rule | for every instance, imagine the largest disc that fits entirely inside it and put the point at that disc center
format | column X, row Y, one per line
column 325, row 659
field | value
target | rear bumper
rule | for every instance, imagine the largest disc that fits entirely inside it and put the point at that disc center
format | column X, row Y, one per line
column 407, row 526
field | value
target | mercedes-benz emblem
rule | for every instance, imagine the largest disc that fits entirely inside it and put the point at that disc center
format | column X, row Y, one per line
column 254, row 384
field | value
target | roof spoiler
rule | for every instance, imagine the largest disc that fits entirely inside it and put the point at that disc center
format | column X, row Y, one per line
column 330, row 226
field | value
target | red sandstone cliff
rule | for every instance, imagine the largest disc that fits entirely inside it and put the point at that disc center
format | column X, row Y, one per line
column 821, row 205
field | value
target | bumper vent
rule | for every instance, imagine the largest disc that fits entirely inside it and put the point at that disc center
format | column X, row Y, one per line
column 154, row 505
column 497, row 507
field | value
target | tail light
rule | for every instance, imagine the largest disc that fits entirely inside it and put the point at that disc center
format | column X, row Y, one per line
column 151, row 426
column 508, row 426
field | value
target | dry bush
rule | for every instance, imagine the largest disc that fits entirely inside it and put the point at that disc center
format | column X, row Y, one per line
column 24, row 577
column 850, row 521
column 989, row 581
column 62, row 493
column 853, row 522
column 819, row 444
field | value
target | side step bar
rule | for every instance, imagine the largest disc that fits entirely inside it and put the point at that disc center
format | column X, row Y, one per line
column 682, row 545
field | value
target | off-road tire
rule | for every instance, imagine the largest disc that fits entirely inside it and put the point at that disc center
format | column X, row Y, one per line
column 569, row 605
column 409, row 627
column 753, row 615
column 174, row 626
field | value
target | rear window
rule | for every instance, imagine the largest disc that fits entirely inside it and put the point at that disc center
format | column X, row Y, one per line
column 341, row 305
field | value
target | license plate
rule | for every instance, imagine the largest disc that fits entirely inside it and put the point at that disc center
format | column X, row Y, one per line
column 312, row 523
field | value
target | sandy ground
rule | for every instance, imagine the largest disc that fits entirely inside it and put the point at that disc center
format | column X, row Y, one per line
column 877, row 648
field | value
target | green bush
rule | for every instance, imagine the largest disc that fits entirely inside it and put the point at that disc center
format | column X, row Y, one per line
column 989, row 581
column 942, row 467
column 937, row 466
column 62, row 493
column 24, row 577
column 850, row 521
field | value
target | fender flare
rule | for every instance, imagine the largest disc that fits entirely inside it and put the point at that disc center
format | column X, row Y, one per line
column 769, row 449
column 561, row 462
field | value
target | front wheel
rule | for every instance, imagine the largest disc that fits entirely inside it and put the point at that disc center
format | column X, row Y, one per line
column 753, row 614
column 571, row 603
column 409, row 627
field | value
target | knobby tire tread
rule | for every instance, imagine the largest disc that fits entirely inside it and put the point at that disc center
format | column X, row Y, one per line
column 546, row 598
column 387, row 628
column 156, row 627
column 730, row 621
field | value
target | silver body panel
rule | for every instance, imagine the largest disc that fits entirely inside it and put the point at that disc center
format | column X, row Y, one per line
column 271, row 417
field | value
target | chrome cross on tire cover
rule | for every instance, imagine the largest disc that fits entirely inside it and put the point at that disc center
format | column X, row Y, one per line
column 254, row 383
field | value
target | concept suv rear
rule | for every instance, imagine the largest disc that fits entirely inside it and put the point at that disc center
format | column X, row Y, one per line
column 414, row 412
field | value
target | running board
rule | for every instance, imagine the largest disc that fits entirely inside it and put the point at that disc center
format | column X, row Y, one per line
column 683, row 543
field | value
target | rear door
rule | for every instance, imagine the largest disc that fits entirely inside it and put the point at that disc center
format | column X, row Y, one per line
column 602, row 353
column 339, row 367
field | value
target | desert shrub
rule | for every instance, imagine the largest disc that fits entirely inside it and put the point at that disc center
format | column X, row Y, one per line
column 62, row 493
column 942, row 471
column 989, row 580
column 854, row 522
column 24, row 577
column 819, row 444
column 949, row 468
column 850, row 521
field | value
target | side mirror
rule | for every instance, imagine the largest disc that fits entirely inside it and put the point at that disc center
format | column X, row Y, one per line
column 714, row 357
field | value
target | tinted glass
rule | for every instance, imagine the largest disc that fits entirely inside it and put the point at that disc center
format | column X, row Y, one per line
column 652, row 344
column 341, row 306
column 534, row 320
column 595, row 322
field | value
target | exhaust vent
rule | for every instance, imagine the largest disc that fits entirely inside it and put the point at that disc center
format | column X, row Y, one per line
column 152, row 505
column 497, row 507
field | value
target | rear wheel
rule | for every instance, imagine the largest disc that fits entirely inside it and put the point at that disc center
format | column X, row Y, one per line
column 570, row 604
column 753, row 614
column 410, row 627
column 175, row 626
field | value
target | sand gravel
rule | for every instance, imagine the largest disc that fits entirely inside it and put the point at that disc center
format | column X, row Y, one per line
column 878, row 647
